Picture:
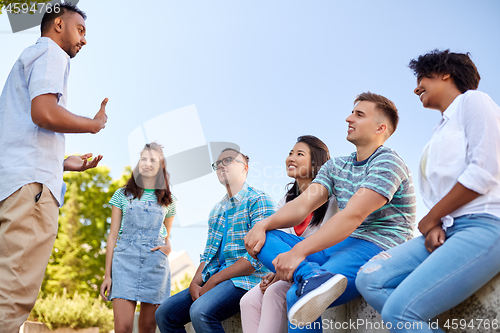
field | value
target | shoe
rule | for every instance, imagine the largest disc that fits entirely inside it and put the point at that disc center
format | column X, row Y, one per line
column 315, row 296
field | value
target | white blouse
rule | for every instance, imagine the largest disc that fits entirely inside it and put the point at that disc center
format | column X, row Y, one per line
column 465, row 148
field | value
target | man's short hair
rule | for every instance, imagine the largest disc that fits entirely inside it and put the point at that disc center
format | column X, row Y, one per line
column 245, row 157
column 458, row 65
column 48, row 18
column 384, row 105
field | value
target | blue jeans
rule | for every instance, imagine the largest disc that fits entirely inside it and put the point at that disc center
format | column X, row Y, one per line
column 409, row 286
column 206, row 313
column 343, row 258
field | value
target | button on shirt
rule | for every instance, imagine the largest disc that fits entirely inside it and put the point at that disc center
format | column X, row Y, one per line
column 465, row 148
column 31, row 153
column 244, row 209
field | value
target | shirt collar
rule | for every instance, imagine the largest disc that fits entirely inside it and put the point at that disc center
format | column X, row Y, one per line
column 363, row 162
column 452, row 108
column 49, row 40
column 237, row 198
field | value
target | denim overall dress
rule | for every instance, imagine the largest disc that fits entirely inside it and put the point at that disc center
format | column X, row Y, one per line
column 137, row 273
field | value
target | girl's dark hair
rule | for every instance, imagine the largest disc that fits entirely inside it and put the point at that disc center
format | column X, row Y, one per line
column 319, row 156
column 459, row 65
column 162, row 183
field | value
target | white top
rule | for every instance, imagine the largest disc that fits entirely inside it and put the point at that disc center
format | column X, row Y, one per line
column 465, row 148
column 332, row 209
column 30, row 153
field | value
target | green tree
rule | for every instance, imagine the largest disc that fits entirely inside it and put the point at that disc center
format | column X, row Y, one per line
column 78, row 257
column 184, row 284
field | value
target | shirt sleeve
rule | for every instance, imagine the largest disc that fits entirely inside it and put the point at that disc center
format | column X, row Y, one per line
column 47, row 73
column 281, row 203
column 263, row 207
column 385, row 174
column 117, row 199
column 325, row 176
column 481, row 119
column 172, row 208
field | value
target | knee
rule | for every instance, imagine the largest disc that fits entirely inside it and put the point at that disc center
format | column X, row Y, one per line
column 276, row 292
column 362, row 281
column 124, row 327
column 198, row 312
column 368, row 275
column 162, row 314
column 273, row 233
column 149, row 327
column 249, row 302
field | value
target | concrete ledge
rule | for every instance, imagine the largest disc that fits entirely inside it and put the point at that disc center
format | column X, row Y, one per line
column 483, row 305
column 35, row 327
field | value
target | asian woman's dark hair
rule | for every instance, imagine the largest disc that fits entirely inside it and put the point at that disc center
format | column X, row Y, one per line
column 459, row 65
column 319, row 156
column 162, row 186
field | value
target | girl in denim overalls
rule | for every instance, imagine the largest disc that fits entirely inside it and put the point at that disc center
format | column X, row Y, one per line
column 137, row 268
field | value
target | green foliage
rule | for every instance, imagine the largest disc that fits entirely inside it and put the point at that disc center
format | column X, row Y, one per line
column 80, row 311
column 184, row 284
column 5, row 3
column 78, row 257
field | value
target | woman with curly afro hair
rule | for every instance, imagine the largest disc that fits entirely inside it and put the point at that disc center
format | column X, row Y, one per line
column 459, row 250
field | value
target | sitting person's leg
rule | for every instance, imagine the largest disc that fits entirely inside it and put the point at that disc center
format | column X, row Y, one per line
column 328, row 283
column 251, row 306
column 278, row 242
column 468, row 259
column 265, row 312
column 378, row 278
column 173, row 314
column 217, row 304
column 273, row 314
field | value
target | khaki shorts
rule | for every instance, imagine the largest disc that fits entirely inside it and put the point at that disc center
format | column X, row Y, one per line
column 28, row 228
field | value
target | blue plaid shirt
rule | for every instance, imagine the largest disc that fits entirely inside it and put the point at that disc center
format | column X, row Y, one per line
column 250, row 206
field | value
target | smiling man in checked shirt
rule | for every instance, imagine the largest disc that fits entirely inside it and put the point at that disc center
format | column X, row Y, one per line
column 226, row 271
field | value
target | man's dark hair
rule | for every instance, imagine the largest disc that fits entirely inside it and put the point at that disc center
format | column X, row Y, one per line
column 458, row 65
column 384, row 105
column 48, row 18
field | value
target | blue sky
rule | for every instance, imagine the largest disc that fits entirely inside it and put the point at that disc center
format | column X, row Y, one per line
column 261, row 73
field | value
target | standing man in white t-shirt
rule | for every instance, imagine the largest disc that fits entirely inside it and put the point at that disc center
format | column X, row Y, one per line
column 33, row 119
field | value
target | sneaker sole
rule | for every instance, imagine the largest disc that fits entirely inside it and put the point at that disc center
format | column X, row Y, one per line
column 311, row 306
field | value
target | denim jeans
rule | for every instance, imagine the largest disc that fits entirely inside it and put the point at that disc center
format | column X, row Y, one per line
column 343, row 258
column 409, row 286
column 206, row 313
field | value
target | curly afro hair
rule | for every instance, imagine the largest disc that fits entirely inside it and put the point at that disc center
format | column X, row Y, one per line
column 459, row 65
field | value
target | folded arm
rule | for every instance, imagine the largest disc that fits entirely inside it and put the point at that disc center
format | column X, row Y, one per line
column 48, row 114
column 292, row 214
column 333, row 231
column 242, row 267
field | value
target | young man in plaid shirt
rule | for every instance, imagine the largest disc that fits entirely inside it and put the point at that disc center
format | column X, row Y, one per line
column 226, row 271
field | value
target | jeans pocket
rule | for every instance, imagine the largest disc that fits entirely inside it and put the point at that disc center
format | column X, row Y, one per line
column 121, row 246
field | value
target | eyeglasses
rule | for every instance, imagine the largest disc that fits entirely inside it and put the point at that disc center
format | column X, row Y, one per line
column 225, row 162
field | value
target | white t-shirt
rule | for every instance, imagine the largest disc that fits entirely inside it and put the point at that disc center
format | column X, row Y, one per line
column 332, row 209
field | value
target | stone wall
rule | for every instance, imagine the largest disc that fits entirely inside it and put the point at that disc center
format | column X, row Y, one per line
column 358, row 316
